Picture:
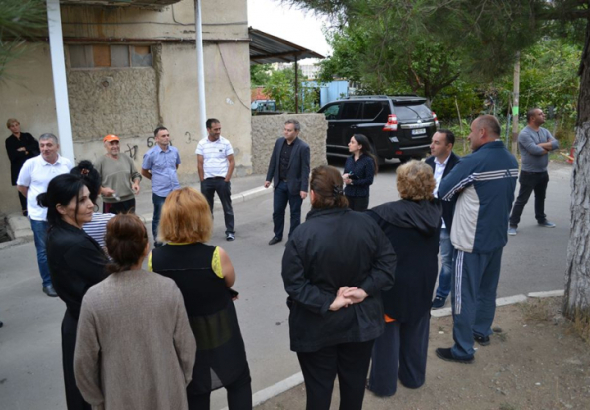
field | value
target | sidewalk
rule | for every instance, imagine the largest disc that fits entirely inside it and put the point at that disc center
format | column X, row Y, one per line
column 243, row 189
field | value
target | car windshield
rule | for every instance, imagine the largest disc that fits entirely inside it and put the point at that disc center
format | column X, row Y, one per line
column 412, row 112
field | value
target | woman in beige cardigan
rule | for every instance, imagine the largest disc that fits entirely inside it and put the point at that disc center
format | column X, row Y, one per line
column 135, row 348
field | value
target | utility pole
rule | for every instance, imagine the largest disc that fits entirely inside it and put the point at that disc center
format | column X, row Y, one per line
column 515, row 108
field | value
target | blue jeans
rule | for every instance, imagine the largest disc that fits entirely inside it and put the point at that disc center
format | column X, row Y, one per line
column 281, row 198
column 474, row 298
column 446, row 268
column 158, row 202
column 39, row 229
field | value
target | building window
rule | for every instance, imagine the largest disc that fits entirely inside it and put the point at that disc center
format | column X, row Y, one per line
column 105, row 56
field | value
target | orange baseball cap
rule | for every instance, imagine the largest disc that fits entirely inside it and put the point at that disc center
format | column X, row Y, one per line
column 110, row 137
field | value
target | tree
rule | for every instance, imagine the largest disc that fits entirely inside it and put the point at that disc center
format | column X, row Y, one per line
column 260, row 74
column 20, row 20
column 281, row 87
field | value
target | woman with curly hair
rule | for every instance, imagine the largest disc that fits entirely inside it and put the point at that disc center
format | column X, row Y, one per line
column 412, row 225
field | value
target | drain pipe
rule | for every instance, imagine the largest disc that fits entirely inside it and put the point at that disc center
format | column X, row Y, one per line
column 200, row 70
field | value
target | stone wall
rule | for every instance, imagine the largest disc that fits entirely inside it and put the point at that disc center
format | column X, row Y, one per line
column 267, row 128
column 122, row 102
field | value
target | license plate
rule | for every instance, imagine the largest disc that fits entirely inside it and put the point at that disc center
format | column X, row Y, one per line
column 419, row 131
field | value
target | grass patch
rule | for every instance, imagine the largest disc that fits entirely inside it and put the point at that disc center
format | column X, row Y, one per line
column 541, row 310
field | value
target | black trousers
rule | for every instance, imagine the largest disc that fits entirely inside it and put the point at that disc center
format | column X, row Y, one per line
column 239, row 395
column 530, row 182
column 358, row 203
column 122, row 207
column 350, row 361
column 400, row 352
column 209, row 187
column 74, row 399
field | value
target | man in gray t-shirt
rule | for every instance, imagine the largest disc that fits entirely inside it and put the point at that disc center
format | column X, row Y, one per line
column 535, row 143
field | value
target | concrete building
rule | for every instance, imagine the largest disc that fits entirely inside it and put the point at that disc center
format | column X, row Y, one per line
column 129, row 69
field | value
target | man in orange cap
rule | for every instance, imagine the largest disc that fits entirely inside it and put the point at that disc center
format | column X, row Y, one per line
column 120, row 179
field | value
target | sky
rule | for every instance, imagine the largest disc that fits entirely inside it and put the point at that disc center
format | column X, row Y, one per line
column 304, row 29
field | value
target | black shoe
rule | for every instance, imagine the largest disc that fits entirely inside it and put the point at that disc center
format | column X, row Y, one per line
column 274, row 241
column 230, row 237
column 482, row 340
column 438, row 302
column 49, row 291
column 1, row 324
column 446, row 354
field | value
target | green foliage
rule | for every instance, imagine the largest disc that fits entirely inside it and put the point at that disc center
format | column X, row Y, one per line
column 281, row 88
column 260, row 74
column 19, row 20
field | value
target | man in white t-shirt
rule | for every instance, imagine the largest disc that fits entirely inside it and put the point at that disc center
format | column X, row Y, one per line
column 215, row 158
column 33, row 180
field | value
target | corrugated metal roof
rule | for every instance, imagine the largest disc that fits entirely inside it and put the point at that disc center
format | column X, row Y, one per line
column 266, row 48
column 152, row 4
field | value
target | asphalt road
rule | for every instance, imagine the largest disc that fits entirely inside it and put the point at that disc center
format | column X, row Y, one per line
column 30, row 352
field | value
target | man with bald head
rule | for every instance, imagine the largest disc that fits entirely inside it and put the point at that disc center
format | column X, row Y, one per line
column 483, row 184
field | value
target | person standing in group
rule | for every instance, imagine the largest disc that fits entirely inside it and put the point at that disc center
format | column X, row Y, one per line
column 204, row 275
column 289, row 169
column 33, row 179
column 334, row 268
column 76, row 262
column 215, row 161
column 535, row 143
column 97, row 227
column 160, row 164
column 412, row 226
column 442, row 161
column 135, row 348
column 359, row 170
column 20, row 146
column 484, row 184
column 119, row 178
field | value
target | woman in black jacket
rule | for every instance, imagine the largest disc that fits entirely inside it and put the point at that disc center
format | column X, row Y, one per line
column 334, row 268
column 20, row 146
column 412, row 225
column 76, row 263
column 359, row 170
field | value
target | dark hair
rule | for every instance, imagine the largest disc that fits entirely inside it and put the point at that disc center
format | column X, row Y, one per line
column 449, row 136
column 296, row 125
column 90, row 176
column 212, row 121
column 158, row 129
column 126, row 240
column 327, row 185
column 530, row 114
column 367, row 148
column 60, row 191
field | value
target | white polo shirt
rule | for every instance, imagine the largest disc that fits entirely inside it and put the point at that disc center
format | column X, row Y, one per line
column 215, row 153
column 36, row 174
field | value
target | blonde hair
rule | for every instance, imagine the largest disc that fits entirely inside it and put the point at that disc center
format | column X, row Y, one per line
column 415, row 181
column 11, row 121
column 186, row 217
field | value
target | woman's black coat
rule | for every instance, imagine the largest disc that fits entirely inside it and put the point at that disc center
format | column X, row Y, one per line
column 332, row 249
column 413, row 228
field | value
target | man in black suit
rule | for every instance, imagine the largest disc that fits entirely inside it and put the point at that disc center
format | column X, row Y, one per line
column 289, row 166
column 442, row 161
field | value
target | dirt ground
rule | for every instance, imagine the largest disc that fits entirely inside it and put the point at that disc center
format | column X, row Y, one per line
column 537, row 361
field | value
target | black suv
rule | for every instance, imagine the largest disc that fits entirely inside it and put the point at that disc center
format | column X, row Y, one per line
column 397, row 126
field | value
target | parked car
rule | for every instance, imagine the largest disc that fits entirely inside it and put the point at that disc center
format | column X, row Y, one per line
column 398, row 126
